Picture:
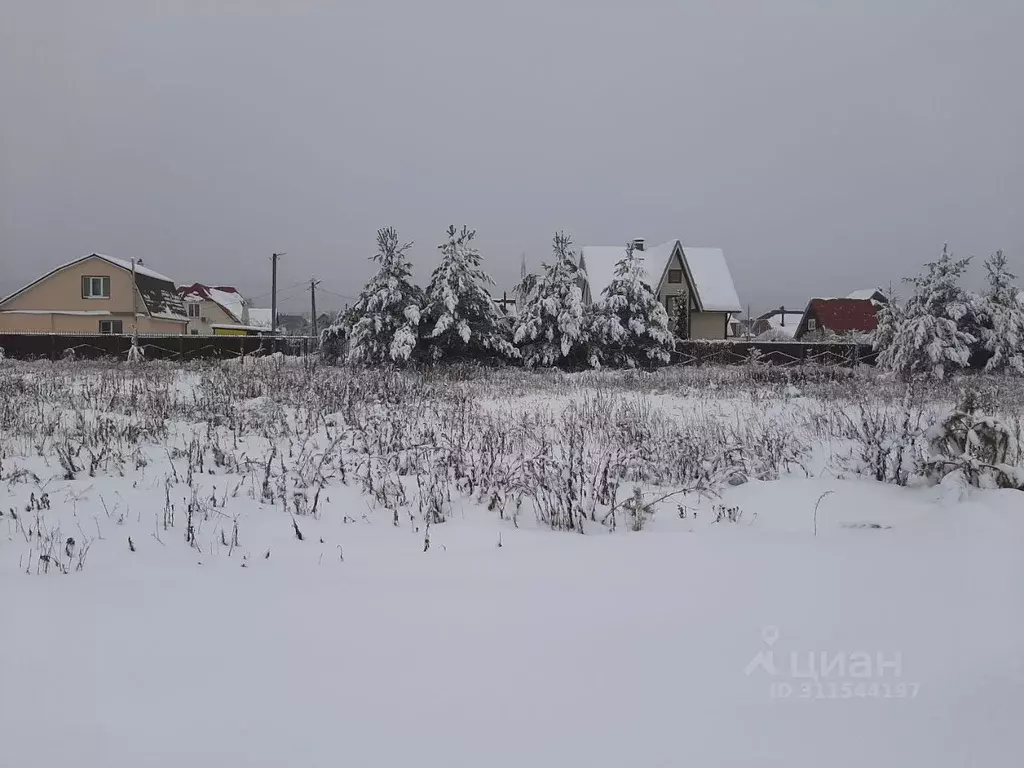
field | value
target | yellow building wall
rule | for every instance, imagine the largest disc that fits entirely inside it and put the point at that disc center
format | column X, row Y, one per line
column 63, row 290
column 708, row 325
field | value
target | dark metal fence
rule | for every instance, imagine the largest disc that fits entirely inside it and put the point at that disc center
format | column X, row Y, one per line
column 54, row 346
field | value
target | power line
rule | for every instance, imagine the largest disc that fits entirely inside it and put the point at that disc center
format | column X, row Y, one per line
column 336, row 294
column 280, row 290
column 291, row 293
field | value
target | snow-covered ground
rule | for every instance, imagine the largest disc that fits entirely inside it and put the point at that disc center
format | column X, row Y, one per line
column 489, row 639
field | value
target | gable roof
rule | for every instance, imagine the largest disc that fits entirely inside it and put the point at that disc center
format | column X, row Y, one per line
column 158, row 292
column 600, row 261
column 779, row 323
column 841, row 315
column 868, row 293
column 706, row 267
column 228, row 298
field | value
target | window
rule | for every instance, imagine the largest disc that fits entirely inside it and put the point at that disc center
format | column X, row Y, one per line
column 193, row 309
column 95, row 287
column 675, row 275
column 195, row 333
column 812, row 324
column 111, row 326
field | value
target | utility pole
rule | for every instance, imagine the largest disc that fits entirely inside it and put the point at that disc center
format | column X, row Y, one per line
column 313, row 283
column 273, row 291
column 135, row 301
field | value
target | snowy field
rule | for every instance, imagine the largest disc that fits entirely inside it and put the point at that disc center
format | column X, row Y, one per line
column 269, row 564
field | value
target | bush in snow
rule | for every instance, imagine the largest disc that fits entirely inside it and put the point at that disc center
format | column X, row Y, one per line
column 1004, row 337
column 969, row 448
column 638, row 511
column 135, row 352
column 939, row 326
column 332, row 343
column 461, row 321
column 551, row 327
column 887, row 440
column 629, row 326
column 383, row 325
column 774, row 334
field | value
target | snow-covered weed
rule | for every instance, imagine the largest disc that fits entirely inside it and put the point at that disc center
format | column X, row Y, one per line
column 550, row 448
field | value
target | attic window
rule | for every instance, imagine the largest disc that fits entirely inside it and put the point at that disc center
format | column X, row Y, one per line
column 95, row 287
column 675, row 276
column 812, row 324
column 193, row 309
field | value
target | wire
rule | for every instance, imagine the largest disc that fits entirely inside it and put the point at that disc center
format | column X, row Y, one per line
column 279, row 290
column 336, row 294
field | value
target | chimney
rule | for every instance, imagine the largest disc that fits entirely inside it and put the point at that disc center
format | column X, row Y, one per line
column 782, row 311
column 638, row 244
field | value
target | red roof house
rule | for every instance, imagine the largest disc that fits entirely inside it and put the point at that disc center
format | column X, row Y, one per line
column 842, row 317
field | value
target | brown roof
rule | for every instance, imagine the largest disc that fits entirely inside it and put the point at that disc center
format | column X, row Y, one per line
column 843, row 315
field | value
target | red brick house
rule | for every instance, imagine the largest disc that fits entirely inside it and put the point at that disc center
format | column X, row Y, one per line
column 842, row 317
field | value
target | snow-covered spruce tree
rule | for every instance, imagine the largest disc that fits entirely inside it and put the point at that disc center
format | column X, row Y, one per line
column 332, row 342
column 888, row 315
column 551, row 328
column 938, row 327
column 383, row 325
column 629, row 326
column 460, row 320
column 1004, row 339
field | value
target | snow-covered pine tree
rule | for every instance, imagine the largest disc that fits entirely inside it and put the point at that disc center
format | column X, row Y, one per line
column 888, row 315
column 460, row 319
column 938, row 327
column 383, row 325
column 527, row 285
column 629, row 326
column 551, row 327
column 1004, row 339
column 679, row 317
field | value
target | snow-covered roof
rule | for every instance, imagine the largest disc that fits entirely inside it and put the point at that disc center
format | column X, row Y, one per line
column 712, row 279
column 775, row 323
column 229, row 299
column 867, row 293
column 140, row 269
column 1020, row 297
column 259, row 317
column 707, row 267
column 232, row 302
column 600, row 261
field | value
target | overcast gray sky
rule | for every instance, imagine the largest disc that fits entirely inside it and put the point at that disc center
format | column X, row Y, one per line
column 826, row 145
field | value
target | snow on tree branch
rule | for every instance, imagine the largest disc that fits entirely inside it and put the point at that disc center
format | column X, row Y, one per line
column 383, row 325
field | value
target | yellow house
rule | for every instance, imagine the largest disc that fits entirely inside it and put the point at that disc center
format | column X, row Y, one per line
column 95, row 294
column 216, row 310
column 694, row 284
